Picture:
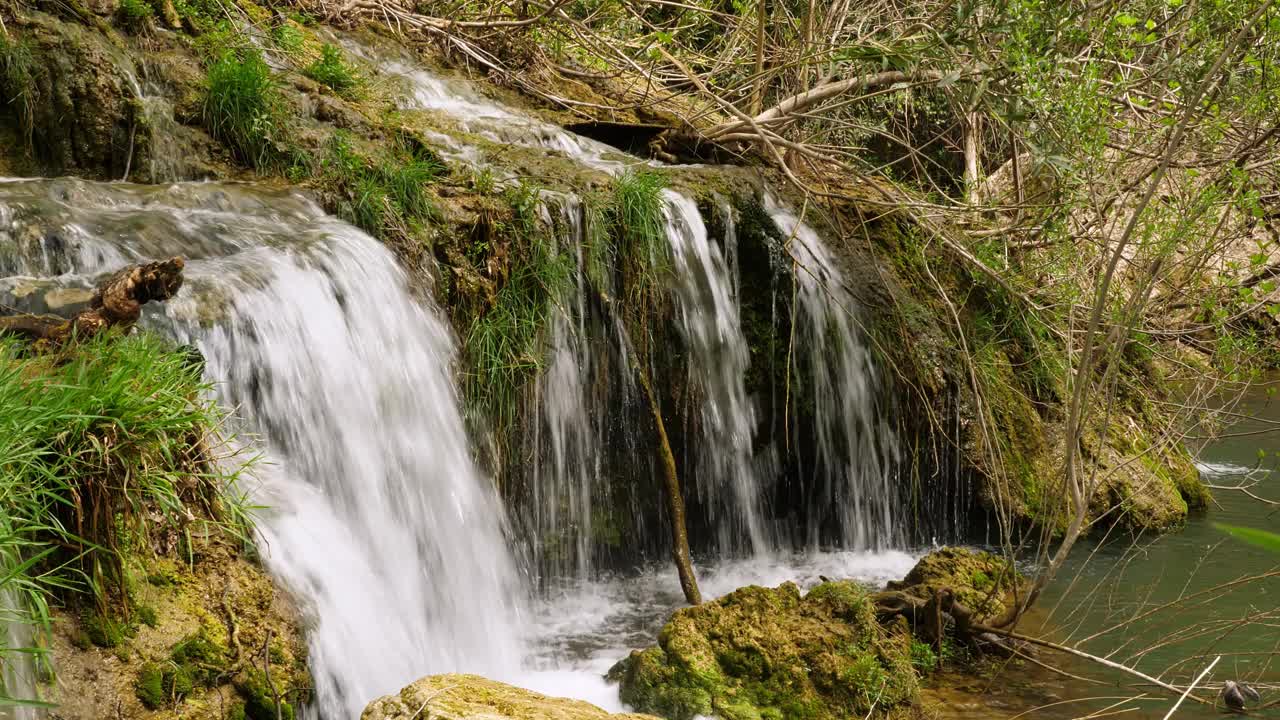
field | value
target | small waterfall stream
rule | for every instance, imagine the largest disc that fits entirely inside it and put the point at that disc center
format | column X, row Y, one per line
column 379, row 518
column 728, row 481
column 851, row 483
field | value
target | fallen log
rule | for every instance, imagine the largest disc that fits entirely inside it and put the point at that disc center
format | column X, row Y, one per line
column 117, row 303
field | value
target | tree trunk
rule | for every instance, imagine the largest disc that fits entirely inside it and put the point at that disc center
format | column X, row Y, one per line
column 972, row 134
column 117, row 303
column 675, row 499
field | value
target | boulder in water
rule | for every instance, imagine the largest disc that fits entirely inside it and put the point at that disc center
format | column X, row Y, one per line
column 471, row 697
column 772, row 654
column 981, row 581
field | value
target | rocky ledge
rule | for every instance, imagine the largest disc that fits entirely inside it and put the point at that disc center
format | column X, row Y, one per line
column 838, row 651
column 471, row 697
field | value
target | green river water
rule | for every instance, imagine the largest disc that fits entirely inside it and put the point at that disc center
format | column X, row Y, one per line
column 1111, row 599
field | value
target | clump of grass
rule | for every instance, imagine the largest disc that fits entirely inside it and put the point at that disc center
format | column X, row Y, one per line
column 385, row 196
column 136, row 15
column 638, row 229
column 637, row 206
column 17, row 82
column 287, row 37
column 242, row 107
column 503, row 344
column 101, row 446
column 332, row 71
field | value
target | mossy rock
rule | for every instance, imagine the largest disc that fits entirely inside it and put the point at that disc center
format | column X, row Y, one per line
column 981, row 581
column 471, row 697
column 771, row 654
column 187, row 664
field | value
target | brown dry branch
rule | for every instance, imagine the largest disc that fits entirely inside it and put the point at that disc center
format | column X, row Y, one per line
column 117, row 303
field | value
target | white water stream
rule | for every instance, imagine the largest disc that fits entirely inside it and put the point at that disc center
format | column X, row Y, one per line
column 379, row 519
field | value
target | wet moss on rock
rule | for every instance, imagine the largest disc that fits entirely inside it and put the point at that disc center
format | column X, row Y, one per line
column 981, row 581
column 771, row 653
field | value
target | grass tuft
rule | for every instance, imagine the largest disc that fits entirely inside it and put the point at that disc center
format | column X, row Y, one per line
column 101, row 446
column 385, row 196
column 504, row 344
column 242, row 107
column 332, row 71
column 17, row 82
column 136, row 16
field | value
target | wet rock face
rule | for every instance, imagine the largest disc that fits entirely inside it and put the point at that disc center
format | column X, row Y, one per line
column 81, row 113
column 471, row 697
column 773, row 654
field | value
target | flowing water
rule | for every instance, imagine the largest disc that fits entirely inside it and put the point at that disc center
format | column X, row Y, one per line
column 728, row 480
column 851, row 484
column 380, row 521
column 397, row 544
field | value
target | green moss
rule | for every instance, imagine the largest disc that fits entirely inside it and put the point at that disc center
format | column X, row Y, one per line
column 769, row 653
column 106, row 632
column 980, row 580
column 150, row 686
column 147, row 616
column 259, row 700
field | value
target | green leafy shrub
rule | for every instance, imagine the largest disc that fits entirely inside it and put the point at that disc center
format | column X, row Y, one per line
column 333, row 72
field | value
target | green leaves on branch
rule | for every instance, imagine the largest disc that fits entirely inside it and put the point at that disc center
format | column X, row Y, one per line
column 1268, row 541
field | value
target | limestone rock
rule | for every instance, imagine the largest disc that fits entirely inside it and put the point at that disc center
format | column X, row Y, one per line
column 471, row 697
column 771, row 654
column 983, row 582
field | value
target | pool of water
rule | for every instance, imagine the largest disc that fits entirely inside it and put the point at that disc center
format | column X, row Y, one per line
column 1165, row 605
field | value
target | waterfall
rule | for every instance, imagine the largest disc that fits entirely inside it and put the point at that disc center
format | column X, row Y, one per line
column 568, row 441
column 378, row 519
column 851, row 482
column 728, row 481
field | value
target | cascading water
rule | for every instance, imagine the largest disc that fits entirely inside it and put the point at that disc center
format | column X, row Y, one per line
column 728, row 481
column 379, row 520
column 568, row 473
column 851, row 482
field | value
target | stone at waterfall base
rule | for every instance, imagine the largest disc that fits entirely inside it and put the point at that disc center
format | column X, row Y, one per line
column 775, row 654
column 471, row 697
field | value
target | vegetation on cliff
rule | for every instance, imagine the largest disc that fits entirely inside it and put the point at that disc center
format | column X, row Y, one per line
column 123, row 534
